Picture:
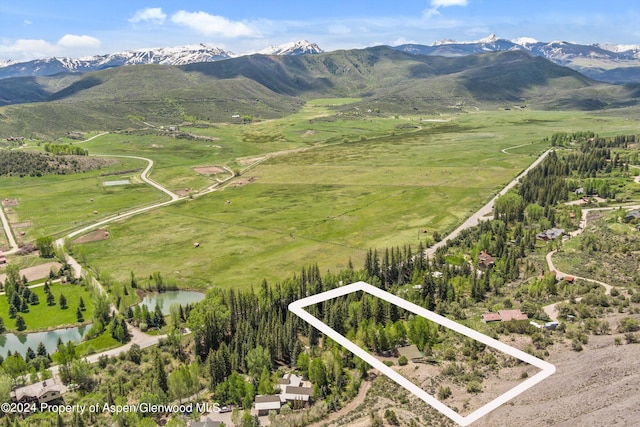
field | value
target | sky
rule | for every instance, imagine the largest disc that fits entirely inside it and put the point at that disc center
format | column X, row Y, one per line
column 31, row 29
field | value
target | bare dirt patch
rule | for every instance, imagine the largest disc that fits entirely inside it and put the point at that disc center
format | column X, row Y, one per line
column 308, row 133
column 36, row 272
column 9, row 202
column 244, row 181
column 595, row 387
column 183, row 192
column 93, row 236
column 208, row 170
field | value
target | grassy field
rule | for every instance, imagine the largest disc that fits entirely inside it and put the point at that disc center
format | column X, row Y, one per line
column 339, row 185
column 227, row 144
column 335, row 201
column 56, row 204
column 43, row 317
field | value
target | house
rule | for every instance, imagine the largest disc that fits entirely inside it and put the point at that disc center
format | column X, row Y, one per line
column 507, row 315
column 579, row 191
column 486, row 261
column 632, row 215
column 292, row 389
column 550, row 234
column 264, row 404
column 411, row 352
column 572, row 215
column 569, row 279
column 296, row 394
column 40, row 392
column 491, row 317
column 504, row 316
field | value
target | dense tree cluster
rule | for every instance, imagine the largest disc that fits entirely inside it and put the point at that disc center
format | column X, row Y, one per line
column 65, row 149
column 24, row 163
column 547, row 185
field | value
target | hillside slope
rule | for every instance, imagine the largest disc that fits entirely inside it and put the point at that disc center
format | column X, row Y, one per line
column 272, row 86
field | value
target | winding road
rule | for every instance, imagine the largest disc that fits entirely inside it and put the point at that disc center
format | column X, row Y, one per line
column 551, row 309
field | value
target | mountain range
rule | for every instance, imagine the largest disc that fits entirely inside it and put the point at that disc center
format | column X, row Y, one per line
column 605, row 62
column 387, row 81
column 180, row 55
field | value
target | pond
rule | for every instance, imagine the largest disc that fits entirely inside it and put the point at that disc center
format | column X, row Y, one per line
column 21, row 342
column 166, row 299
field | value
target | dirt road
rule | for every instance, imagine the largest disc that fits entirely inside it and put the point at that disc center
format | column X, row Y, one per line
column 364, row 388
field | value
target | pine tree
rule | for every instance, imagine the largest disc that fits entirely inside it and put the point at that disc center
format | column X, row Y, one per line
column 20, row 323
column 160, row 373
column 63, row 302
column 42, row 350
column 81, row 305
column 30, row 354
column 51, row 300
column 79, row 316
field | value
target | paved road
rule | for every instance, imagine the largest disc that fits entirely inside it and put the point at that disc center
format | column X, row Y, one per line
column 484, row 211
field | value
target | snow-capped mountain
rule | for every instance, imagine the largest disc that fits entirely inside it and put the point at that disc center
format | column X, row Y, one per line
column 301, row 47
column 619, row 48
column 607, row 62
column 180, row 55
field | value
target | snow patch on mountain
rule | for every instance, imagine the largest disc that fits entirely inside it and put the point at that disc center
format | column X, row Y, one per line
column 300, row 47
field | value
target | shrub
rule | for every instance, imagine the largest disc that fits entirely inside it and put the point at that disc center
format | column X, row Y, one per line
column 444, row 393
column 402, row 360
column 474, row 387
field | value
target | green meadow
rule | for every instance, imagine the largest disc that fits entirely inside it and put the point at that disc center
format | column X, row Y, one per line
column 58, row 204
column 43, row 317
column 332, row 202
column 330, row 186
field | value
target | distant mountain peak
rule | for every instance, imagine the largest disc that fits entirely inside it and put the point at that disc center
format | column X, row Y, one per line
column 491, row 38
column 300, row 47
column 176, row 55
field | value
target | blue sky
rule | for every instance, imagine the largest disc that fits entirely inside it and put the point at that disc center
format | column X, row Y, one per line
column 41, row 28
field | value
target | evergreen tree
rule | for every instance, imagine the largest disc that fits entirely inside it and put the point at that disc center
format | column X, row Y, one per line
column 79, row 316
column 81, row 305
column 30, row 354
column 63, row 302
column 20, row 323
column 160, row 373
column 42, row 350
column 51, row 300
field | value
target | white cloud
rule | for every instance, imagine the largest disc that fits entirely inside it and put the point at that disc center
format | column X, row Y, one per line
column 213, row 25
column 27, row 22
column 73, row 41
column 437, row 4
column 447, row 3
column 153, row 15
column 67, row 45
